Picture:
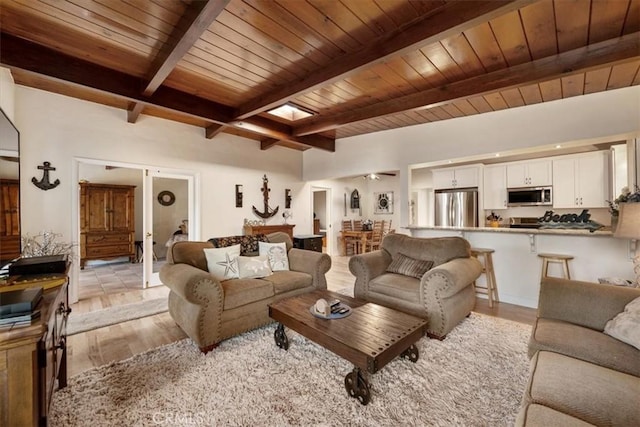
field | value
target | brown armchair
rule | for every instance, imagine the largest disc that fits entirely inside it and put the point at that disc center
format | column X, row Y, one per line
column 444, row 295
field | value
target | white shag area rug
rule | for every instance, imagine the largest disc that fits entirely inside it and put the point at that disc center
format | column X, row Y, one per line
column 475, row 377
column 83, row 322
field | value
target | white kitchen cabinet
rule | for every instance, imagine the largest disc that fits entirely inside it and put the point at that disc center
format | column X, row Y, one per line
column 494, row 192
column 534, row 173
column 456, row 177
column 581, row 181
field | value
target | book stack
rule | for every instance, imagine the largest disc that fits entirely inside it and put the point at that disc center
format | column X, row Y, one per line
column 18, row 308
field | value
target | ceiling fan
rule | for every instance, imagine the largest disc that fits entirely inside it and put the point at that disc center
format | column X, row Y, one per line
column 376, row 176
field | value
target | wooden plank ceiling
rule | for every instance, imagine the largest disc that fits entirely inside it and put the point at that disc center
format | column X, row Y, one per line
column 359, row 66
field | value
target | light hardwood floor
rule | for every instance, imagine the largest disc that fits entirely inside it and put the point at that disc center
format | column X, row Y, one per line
column 121, row 341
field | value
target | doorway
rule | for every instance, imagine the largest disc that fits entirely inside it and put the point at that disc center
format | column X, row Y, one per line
column 141, row 273
column 321, row 216
column 168, row 218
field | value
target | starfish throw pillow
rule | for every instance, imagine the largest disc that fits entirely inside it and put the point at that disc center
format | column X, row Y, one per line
column 223, row 262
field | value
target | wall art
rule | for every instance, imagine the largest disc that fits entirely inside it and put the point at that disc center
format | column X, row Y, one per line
column 383, row 202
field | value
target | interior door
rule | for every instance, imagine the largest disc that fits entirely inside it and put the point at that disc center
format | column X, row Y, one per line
column 168, row 204
column 321, row 206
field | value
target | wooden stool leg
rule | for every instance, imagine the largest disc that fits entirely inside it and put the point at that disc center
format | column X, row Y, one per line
column 487, row 277
column 492, row 275
column 545, row 267
column 565, row 266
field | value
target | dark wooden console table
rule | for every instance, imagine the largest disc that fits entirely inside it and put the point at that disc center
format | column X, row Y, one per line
column 310, row 242
column 266, row 229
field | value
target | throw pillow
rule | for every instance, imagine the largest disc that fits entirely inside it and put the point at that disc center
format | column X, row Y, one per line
column 254, row 267
column 277, row 254
column 407, row 266
column 222, row 262
column 625, row 326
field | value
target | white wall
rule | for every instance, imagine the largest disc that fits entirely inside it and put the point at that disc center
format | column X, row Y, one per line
column 60, row 129
column 341, row 187
column 597, row 115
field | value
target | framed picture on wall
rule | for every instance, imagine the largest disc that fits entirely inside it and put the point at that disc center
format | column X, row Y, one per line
column 383, row 202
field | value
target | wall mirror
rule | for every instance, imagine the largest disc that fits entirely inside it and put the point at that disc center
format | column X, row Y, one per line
column 9, row 190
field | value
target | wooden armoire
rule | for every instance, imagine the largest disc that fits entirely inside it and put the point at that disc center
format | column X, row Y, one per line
column 10, row 219
column 107, row 222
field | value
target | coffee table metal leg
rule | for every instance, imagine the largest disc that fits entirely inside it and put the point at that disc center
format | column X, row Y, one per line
column 281, row 337
column 411, row 353
column 357, row 386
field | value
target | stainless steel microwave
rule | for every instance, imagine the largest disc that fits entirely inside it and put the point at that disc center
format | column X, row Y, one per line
column 529, row 196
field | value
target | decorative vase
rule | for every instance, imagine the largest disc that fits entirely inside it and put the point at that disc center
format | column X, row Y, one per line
column 494, row 224
column 614, row 223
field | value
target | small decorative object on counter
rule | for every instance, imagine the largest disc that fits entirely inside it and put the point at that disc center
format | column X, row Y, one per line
column 626, row 196
column 494, row 219
column 573, row 221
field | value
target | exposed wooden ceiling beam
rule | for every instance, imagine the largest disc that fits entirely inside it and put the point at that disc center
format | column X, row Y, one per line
column 196, row 19
column 33, row 58
column 265, row 144
column 134, row 112
column 198, row 16
column 454, row 18
column 609, row 52
column 213, row 130
column 282, row 132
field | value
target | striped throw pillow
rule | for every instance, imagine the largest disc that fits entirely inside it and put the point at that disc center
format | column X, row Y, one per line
column 407, row 266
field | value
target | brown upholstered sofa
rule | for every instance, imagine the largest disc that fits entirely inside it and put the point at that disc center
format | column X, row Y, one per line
column 444, row 295
column 579, row 375
column 209, row 311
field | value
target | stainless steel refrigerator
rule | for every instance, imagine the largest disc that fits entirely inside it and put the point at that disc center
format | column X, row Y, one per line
column 456, row 208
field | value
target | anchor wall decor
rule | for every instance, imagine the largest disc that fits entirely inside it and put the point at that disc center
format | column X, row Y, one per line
column 268, row 212
column 44, row 183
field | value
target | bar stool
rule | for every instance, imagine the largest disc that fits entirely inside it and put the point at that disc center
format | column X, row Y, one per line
column 557, row 258
column 491, row 289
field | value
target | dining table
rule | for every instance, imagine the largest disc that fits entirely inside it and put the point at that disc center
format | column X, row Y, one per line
column 359, row 235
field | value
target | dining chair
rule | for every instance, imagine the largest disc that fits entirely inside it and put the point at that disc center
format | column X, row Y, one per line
column 387, row 228
column 376, row 238
column 350, row 243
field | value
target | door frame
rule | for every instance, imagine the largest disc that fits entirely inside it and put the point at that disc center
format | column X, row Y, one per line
column 150, row 278
column 328, row 211
column 194, row 207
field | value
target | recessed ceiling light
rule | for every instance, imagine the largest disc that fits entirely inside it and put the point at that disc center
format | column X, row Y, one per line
column 291, row 112
column 558, row 146
column 497, row 154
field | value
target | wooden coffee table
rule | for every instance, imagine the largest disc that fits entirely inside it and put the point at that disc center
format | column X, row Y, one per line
column 370, row 337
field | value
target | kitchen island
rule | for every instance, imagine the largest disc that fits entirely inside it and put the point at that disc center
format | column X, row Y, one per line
column 517, row 265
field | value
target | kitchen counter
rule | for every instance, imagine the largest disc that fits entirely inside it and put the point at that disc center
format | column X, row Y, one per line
column 604, row 232
column 517, row 265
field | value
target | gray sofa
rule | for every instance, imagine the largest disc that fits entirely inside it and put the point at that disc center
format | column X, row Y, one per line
column 209, row 311
column 444, row 295
column 579, row 375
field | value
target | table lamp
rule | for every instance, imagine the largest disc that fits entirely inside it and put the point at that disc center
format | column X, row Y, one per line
column 629, row 228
